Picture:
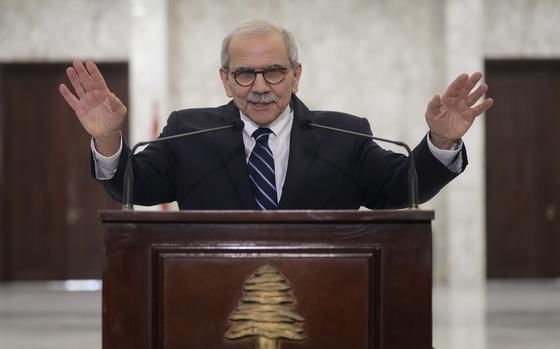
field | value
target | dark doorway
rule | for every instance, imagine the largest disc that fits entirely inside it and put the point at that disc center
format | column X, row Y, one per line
column 523, row 169
column 50, row 228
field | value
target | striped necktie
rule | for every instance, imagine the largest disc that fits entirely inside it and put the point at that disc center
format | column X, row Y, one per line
column 261, row 171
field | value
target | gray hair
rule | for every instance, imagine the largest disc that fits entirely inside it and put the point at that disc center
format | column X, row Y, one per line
column 260, row 28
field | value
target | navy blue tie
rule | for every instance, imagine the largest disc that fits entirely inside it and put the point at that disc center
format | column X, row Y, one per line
column 261, row 171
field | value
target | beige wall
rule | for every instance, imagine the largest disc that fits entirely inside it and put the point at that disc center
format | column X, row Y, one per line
column 60, row 30
column 522, row 29
column 376, row 59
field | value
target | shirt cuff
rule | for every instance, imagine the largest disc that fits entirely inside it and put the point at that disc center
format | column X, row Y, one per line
column 452, row 158
column 105, row 166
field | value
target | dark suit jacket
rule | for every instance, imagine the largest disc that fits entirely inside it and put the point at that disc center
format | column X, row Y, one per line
column 326, row 170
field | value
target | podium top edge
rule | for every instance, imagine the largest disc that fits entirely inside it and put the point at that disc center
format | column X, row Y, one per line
column 283, row 216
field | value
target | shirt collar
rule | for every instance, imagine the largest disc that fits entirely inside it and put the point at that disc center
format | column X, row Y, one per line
column 277, row 126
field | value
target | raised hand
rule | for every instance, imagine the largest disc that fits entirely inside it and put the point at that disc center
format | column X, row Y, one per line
column 100, row 112
column 451, row 115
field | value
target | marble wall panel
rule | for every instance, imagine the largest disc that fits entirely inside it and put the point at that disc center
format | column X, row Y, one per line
column 522, row 29
column 377, row 59
column 465, row 198
column 61, row 30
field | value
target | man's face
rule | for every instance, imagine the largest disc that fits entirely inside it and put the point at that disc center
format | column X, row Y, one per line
column 261, row 101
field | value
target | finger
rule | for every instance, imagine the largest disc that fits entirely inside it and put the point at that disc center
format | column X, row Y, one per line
column 475, row 96
column 115, row 104
column 96, row 77
column 470, row 84
column 454, row 89
column 72, row 101
column 75, row 81
column 482, row 107
column 83, row 75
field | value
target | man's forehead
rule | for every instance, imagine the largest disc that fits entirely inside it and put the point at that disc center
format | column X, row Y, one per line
column 264, row 36
column 258, row 49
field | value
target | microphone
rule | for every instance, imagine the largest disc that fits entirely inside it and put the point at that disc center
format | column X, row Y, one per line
column 412, row 174
column 128, row 184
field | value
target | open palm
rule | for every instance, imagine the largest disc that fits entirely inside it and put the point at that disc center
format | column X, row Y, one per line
column 100, row 112
column 451, row 115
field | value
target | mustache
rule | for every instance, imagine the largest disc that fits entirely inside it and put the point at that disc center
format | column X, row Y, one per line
column 266, row 97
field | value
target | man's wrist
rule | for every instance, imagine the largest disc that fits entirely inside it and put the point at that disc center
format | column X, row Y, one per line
column 443, row 143
column 108, row 145
column 105, row 166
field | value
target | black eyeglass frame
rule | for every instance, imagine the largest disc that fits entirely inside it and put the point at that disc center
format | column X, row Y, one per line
column 263, row 72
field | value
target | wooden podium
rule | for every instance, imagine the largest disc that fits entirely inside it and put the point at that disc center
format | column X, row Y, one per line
column 314, row 279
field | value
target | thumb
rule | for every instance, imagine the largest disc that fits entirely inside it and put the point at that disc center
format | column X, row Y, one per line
column 435, row 103
column 115, row 104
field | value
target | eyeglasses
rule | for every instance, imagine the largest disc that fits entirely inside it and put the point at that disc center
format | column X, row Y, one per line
column 246, row 77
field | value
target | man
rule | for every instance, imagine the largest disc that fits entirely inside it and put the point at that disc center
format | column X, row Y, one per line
column 275, row 162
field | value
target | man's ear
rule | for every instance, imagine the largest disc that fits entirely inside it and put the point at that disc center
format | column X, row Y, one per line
column 297, row 76
column 225, row 81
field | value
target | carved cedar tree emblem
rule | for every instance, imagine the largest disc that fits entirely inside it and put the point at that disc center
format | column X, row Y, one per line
column 266, row 310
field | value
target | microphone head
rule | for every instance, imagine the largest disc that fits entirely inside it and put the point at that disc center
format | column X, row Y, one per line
column 237, row 125
column 305, row 123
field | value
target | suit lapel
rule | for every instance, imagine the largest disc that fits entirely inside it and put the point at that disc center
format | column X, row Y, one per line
column 232, row 150
column 304, row 143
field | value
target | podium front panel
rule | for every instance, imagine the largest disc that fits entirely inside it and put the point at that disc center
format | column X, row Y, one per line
column 247, row 280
